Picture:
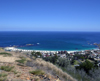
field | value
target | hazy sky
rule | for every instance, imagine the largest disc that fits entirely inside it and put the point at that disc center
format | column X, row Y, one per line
column 49, row 15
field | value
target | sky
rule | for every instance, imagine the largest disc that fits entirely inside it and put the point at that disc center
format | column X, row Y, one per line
column 49, row 15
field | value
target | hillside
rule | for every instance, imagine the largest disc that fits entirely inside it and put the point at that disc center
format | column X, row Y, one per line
column 17, row 66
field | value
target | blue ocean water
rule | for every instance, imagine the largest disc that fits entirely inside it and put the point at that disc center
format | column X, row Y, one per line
column 50, row 40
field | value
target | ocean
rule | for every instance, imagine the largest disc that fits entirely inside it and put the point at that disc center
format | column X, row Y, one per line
column 50, row 40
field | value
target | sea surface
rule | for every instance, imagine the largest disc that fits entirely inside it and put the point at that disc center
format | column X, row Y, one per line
column 51, row 41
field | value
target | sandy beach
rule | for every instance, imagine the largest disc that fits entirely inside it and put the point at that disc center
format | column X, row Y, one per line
column 42, row 51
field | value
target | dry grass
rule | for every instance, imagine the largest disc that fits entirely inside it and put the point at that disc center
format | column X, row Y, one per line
column 37, row 64
column 36, row 78
column 1, row 49
column 7, row 59
column 58, row 71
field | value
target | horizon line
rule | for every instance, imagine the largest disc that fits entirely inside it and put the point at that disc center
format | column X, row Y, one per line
column 49, row 31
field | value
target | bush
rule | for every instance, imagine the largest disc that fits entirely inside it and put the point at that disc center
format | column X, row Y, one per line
column 86, row 66
column 15, row 72
column 22, row 61
column 3, row 77
column 52, row 59
column 63, row 62
column 91, row 59
column 37, row 72
column 18, row 75
column 6, row 68
column 36, row 54
column 5, row 54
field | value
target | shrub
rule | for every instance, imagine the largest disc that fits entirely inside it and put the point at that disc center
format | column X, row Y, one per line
column 18, row 75
column 52, row 59
column 22, row 61
column 36, row 54
column 15, row 72
column 86, row 66
column 63, row 62
column 5, row 54
column 3, row 77
column 7, row 68
column 37, row 72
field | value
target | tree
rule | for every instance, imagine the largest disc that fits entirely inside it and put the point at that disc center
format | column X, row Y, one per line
column 95, row 63
column 86, row 66
column 36, row 54
column 82, row 58
column 54, row 59
column 72, row 61
column 63, row 62
column 33, row 53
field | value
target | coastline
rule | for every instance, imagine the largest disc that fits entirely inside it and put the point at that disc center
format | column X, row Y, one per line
column 47, row 41
column 44, row 51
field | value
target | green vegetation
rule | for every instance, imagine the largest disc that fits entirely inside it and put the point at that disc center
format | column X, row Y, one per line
column 86, row 71
column 87, row 66
column 62, row 62
column 76, row 62
column 65, row 65
column 36, row 54
column 52, row 59
column 82, row 57
column 22, row 61
column 37, row 72
column 5, row 54
column 15, row 72
column 72, row 61
column 7, row 68
column 3, row 77
column 80, row 75
column 18, row 75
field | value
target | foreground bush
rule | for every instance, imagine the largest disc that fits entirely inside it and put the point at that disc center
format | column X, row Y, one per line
column 7, row 68
column 3, row 77
column 22, row 61
column 37, row 72
column 5, row 54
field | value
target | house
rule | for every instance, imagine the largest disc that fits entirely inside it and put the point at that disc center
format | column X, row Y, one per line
column 98, row 64
column 76, row 65
column 91, row 56
column 98, row 57
column 63, row 55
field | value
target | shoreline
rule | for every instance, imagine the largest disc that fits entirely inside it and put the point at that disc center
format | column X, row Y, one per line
column 44, row 51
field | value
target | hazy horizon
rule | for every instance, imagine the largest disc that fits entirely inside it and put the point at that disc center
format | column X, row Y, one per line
column 43, row 31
